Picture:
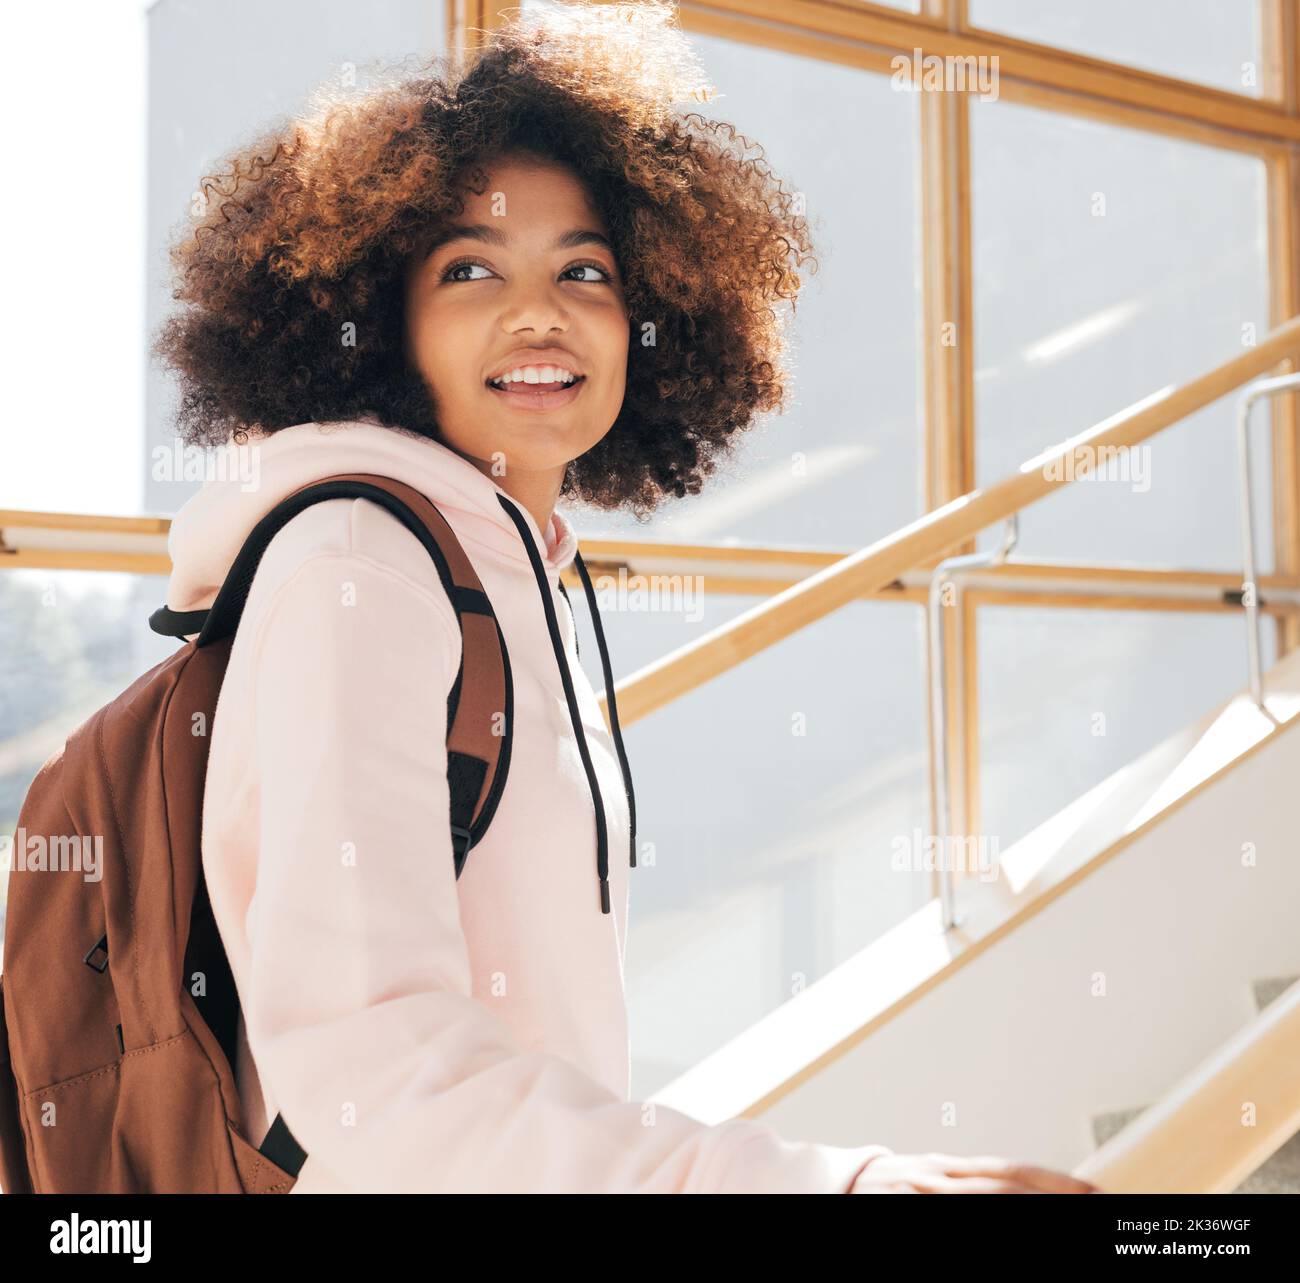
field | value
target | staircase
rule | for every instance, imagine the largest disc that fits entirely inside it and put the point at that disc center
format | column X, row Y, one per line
column 1281, row 1173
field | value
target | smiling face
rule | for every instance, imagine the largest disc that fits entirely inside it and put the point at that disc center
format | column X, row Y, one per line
column 524, row 284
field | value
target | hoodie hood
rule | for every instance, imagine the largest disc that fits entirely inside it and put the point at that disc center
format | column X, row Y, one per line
column 210, row 528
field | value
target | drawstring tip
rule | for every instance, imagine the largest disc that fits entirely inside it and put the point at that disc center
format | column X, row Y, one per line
column 604, row 895
column 631, row 855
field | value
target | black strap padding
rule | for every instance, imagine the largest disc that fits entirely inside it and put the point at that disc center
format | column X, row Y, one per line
column 280, row 1148
column 465, row 775
column 177, row 623
column 469, row 601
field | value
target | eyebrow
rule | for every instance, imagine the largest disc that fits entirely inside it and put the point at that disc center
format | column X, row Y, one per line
column 497, row 236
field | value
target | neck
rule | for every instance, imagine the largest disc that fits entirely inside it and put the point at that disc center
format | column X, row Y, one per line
column 536, row 492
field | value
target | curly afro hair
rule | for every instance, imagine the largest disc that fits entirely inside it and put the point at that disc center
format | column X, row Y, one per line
column 315, row 223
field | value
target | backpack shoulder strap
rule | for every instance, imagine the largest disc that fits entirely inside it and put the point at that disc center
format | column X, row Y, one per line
column 478, row 756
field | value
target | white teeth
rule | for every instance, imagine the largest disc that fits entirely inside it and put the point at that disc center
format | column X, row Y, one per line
column 535, row 374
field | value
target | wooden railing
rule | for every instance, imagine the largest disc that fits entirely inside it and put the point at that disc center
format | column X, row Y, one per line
column 871, row 568
column 1220, row 1123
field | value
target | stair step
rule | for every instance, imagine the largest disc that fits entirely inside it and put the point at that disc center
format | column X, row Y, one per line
column 1267, row 990
column 1104, row 1126
column 1280, row 1175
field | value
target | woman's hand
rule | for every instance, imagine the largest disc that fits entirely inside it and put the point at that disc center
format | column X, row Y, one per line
column 949, row 1174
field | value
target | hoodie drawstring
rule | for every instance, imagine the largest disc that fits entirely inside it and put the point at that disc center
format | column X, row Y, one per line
column 613, row 704
column 553, row 627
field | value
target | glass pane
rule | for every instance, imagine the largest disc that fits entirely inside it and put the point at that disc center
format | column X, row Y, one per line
column 74, row 387
column 156, row 93
column 1069, row 696
column 1213, row 42
column 70, row 641
column 1110, row 264
column 775, row 797
column 842, row 466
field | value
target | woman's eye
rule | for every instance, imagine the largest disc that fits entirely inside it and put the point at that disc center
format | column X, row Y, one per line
column 450, row 273
column 589, row 267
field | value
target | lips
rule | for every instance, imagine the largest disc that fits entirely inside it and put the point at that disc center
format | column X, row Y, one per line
column 538, row 396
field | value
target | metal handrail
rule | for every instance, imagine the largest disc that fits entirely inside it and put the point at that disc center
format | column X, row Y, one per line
column 948, row 572
column 1250, row 595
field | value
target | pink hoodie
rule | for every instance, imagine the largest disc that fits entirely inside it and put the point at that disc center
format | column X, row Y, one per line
column 418, row 1032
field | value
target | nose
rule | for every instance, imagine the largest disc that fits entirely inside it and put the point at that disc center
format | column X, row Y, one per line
column 534, row 306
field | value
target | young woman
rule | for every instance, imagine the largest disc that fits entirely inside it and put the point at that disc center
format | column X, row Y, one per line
column 528, row 282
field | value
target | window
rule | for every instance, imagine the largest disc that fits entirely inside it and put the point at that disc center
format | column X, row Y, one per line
column 842, row 466
column 1217, row 43
column 1109, row 264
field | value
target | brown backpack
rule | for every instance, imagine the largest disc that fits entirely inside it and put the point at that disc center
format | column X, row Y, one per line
column 118, row 1011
